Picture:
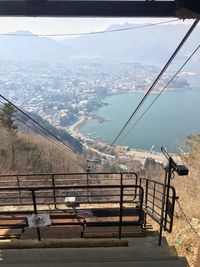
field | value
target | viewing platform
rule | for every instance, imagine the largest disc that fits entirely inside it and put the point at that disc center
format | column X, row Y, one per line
column 84, row 219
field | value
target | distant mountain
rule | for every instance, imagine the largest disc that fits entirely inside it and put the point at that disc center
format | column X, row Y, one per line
column 151, row 45
column 31, row 47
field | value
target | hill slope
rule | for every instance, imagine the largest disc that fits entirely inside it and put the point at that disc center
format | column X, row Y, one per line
column 34, row 153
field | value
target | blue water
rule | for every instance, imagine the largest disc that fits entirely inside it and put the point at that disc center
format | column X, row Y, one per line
column 174, row 116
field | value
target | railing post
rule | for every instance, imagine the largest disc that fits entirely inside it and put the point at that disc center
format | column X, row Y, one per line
column 154, row 191
column 18, row 184
column 35, row 212
column 167, row 170
column 136, row 183
column 54, row 191
column 87, row 188
column 121, row 209
column 121, row 178
column 146, row 201
column 169, row 175
column 136, row 179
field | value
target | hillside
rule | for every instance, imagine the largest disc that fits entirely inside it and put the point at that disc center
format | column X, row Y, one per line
column 186, row 227
column 33, row 153
column 60, row 133
column 186, row 232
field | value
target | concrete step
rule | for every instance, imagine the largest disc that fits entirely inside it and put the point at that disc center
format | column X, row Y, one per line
column 83, row 257
column 141, row 252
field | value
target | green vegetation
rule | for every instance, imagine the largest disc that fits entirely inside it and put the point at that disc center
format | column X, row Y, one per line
column 6, row 117
column 7, row 122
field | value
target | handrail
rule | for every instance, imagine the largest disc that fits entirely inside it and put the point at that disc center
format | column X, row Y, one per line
column 34, row 189
column 56, row 179
column 151, row 208
column 67, row 187
column 67, row 174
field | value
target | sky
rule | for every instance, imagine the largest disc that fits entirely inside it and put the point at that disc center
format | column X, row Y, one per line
column 70, row 25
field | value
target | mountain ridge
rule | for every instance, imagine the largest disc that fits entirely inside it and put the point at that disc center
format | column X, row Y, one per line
column 153, row 44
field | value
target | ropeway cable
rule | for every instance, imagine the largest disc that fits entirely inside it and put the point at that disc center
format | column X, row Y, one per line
column 35, row 130
column 174, row 76
column 41, row 126
column 158, row 78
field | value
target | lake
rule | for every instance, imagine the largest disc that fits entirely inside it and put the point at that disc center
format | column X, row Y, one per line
column 175, row 115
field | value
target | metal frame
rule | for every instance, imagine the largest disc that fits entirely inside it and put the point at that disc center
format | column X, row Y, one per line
column 163, row 194
column 54, row 179
column 84, row 8
column 159, row 198
column 83, row 223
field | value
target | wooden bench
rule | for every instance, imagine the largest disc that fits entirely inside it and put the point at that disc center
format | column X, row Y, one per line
column 102, row 218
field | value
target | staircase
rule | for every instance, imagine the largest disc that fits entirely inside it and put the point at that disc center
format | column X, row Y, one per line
column 141, row 252
column 118, row 205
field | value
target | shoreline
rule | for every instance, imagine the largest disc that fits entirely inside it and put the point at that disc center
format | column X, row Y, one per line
column 170, row 89
column 97, row 146
column 122, row 153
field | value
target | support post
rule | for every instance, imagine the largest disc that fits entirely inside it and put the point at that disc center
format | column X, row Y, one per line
column 87, row 188
column 54, row 191
column 88, row 173
column 165, row 198
column 121, row 206
column 18, row 184
column 146, row 201
column 35, row 212
column 169, row 176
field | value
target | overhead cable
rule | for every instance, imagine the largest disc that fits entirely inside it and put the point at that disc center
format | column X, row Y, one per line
column 173, row 77
column 89, row 33
column 157, row 79
column 41, row 126
column 34, row 130
column 35, row 126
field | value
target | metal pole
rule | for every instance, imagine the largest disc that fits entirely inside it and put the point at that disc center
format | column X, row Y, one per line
column 146, row 201
column 87, row 188
column 121, row 212
column 121, row 206
column 154, row 192
column 18, row 184
column 168, row 187
column 88, row 171
column 35, row 212
column 54, row 191
column 163, row 207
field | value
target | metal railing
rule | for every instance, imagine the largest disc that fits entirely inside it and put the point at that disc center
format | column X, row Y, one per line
column 159, row 203
column 58, row 178
column 34, row 200
column 61, row 179
column 33, row 193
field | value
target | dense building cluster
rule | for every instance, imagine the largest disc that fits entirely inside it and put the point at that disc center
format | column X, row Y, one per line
column 61, row 93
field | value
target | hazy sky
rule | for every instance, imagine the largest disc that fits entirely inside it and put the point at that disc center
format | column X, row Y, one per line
column 69, row 25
